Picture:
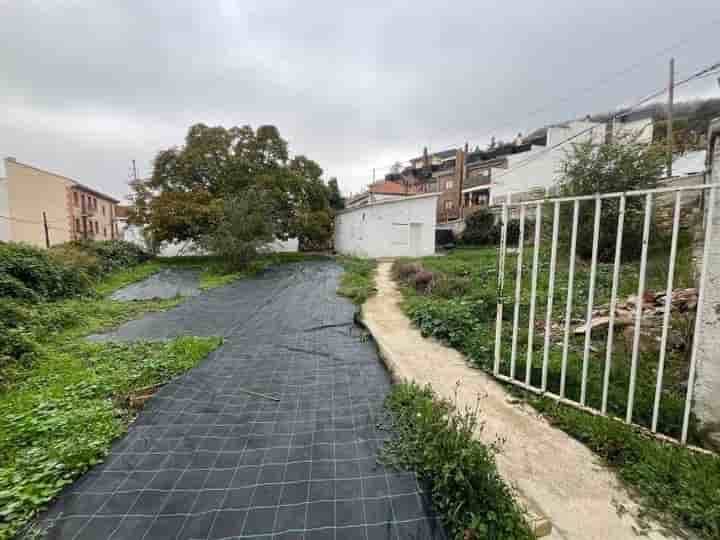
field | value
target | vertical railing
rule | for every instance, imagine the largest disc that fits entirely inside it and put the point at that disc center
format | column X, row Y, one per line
column 636, row 356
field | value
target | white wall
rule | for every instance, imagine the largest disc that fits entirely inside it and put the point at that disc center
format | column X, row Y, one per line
column 133, row 233
column 391, row 228
column 4, row 211
column 543, row 166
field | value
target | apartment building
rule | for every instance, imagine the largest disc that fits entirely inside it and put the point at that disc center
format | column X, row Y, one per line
column 42, row 208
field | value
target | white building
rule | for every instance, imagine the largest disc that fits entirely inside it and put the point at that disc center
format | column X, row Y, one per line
column 400, row 227
column 538, row 169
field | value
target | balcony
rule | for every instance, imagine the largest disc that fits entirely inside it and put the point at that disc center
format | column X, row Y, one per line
column 88, row 210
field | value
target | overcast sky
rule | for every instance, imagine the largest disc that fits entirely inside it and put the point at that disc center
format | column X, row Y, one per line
column 85, row 87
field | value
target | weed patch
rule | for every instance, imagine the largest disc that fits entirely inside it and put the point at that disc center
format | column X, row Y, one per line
column 357, row 282
column 466, row 321
column 672, row 481
column 436, row 441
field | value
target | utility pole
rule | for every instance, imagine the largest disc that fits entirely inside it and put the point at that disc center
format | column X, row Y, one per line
column 671, row 95
column 47, row 232
column 134, row 171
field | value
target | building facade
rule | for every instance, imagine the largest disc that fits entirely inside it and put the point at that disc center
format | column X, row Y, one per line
column 399, row 227
column 43, row 208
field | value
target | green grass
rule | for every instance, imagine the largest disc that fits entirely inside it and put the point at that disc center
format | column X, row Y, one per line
column 357, row 282
column 65, row 403
column 439, row 443
column 675, row 485
column 461, row 311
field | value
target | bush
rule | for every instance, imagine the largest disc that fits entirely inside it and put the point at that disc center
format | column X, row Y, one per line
column 29, row 273
column 422, row 280
column 16, row 343
column 623, row 165
column 404, row 271
column 75, row 256
column 103, row 256
column 448, row 287
column 438, row 442
column 480, row 228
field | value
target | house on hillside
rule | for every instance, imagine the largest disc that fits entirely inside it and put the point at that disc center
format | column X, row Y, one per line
column 532, row 170
column 638, row 125
column 30, row 196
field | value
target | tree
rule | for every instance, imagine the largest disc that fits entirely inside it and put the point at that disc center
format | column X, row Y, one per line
column 244, row 227
column 194, row 187
column 337, row 202
column 622, row 165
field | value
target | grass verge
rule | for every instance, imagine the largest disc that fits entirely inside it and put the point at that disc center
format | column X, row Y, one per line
column 357, row 282
column 675, row 485
column 459, row 309
column 437, row 442
column 64, row 401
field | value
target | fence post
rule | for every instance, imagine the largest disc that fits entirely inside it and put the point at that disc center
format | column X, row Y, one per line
column 707, row 336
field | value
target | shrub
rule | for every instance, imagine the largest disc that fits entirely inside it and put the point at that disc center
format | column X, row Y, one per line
column 623, row 165
column 446, row 286
column 422, row 280
column 75, row 256
column 404, row 271
column 480, row 228
column 438, row 442
column 30, row 273
column 109, row 254
column 16, row 342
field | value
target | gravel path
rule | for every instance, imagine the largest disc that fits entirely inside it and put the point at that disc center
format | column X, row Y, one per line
column 209, row 458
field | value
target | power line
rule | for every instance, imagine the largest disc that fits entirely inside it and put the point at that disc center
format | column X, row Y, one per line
column 625, row 112
column 602, row 81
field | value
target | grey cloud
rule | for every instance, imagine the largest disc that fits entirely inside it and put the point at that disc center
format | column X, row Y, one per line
column 350, row 86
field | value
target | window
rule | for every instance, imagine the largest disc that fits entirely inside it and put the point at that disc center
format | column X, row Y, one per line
column 104, row 228
column 77, row 224
column 448, row 205
column 76, row 199
column 449, row 184
column 103, row 209
column 97, row 227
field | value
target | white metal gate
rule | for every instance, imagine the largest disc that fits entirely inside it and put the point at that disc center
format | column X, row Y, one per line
column 540, row 345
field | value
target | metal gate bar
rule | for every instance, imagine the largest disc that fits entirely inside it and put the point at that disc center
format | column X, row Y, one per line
column 649, row 198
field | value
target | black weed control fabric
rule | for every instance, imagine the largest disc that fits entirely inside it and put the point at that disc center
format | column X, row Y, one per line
column 209, row 458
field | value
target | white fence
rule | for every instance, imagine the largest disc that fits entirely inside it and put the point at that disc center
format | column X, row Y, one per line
column 556, row 336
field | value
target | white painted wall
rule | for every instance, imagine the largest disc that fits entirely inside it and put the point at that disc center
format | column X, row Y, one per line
column 391, row 228
column 543, row 166
column 4, row 211
column 133, row 233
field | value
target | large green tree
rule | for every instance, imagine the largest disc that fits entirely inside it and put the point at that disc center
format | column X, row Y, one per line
column 196, row 189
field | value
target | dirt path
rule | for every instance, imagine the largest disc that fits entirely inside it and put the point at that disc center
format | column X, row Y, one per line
column 274, row 435
column 555, row 475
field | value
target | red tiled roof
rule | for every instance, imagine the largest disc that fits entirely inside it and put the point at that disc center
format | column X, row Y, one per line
column 391, row 188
